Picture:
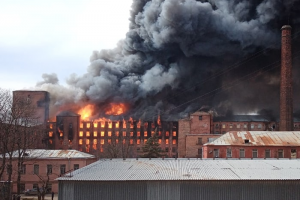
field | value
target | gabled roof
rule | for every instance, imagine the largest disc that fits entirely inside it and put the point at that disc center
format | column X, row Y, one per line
column 186, row 169
column 259, row 138
column 53, row 154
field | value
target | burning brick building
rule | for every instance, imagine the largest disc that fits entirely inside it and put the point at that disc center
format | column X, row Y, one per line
column 107, row 138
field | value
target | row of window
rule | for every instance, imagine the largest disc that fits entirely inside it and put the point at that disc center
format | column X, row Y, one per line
column 280, row 153
column 252, row 126
column 116, row 141
column 36, row 169
column 34, row 186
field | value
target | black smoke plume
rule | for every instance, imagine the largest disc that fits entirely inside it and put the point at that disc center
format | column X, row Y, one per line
column 179, row 55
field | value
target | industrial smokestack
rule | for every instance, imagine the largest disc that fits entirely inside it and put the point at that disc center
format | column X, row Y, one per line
column 286, row 86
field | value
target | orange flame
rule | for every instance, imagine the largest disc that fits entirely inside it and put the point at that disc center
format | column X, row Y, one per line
column 86, row 112
column 116, row 109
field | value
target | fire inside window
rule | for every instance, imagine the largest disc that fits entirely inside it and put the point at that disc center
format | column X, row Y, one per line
column 109, row 134
column 80, row 141
column 117, row 141
column 102, row 141
column 51, row 126
column 124, row 133
column 117, row 125
column 124, row 124
column 95, row 133
column 174, row 141
column 145, row 134
column 159, row 141
column 138, row 141
column 102, row 124
column 138, row 125
column 95, row 124
column 145, row 141
column 152, row 132
column 109, row 125
column 146, row 125
column 124, row 141
column 167, row 134
column 50, row 141
column 131, row 141
column 131, row 134
column 174, row 133
column 87, row 141
column 131, row 125
column 50, row 134
column 95, row 141
column 88, row 125
column 138, row 134
column 117, row 133
column 102, row 133
column 109, row 141
column 159, row 133
column 167, row 141
column 81, row 125
column 80, row 133
column 88, row 134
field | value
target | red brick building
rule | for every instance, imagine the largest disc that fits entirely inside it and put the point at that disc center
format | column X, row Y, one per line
column 254, row 144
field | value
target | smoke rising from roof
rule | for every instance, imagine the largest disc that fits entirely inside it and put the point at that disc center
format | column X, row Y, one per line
column 172, row 49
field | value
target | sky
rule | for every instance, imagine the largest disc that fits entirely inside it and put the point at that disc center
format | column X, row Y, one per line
column 55, row 36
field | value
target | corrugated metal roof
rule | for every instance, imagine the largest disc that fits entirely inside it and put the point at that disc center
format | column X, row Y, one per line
column 186, row 169
column 259, row 138
column 54, row 154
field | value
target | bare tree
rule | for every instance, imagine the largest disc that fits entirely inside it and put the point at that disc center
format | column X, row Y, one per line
column 19, row 130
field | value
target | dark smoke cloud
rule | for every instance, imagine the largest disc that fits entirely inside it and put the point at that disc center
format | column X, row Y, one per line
column 172, row 49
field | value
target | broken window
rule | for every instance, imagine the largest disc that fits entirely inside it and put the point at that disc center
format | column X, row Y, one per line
column 254, row 153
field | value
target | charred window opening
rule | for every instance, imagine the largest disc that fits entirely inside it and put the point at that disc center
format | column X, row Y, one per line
column 246, row 141
column 70, row 134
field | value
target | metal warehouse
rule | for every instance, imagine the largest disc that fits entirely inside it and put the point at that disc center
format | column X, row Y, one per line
column 184, row 179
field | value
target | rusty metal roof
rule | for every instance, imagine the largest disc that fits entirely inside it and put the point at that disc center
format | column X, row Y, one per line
column 54, row 154
column 187, row 169
column 259, row 138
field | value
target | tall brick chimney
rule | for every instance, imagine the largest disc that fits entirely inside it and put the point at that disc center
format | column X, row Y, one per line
column 286, row 82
